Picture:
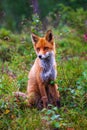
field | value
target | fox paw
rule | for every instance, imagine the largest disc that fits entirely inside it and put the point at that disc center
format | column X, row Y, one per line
column 45, row 101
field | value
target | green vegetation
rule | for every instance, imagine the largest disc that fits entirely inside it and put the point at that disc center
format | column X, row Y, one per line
column 68, row 21
column 16, row 58
column 15, row 14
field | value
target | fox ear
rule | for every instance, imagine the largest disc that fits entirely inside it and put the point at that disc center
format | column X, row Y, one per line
column 49, row 36
column 34, row 38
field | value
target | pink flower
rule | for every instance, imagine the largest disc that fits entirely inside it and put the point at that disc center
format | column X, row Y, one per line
column 85, row 37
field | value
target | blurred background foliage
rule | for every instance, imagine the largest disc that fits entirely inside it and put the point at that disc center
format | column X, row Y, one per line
column 15, row 14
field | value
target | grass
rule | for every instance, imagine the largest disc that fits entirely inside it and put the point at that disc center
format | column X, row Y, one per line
column 16, row 58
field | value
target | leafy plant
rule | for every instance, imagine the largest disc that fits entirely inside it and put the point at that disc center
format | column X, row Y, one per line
column 72, row 81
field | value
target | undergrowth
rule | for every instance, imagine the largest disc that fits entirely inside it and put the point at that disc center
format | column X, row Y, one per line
column 16, row 58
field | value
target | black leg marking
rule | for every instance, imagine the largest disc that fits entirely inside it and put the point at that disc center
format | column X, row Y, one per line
column 58, row 103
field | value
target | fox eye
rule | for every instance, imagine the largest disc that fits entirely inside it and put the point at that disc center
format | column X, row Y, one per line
column 46, row 48
column 38, row 49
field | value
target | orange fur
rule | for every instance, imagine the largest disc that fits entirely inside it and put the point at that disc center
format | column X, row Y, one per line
column 40, row 90
column 36, row 88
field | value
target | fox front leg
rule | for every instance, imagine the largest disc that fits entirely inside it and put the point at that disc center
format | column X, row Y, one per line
column 43, row 95
column 53, row 90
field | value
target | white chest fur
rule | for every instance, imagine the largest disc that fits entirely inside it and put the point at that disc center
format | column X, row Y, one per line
column 49, row 73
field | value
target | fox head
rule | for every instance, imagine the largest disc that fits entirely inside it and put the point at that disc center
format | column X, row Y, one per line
column 44, row 46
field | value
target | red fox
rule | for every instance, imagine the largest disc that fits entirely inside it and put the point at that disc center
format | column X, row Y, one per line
column 41, row 89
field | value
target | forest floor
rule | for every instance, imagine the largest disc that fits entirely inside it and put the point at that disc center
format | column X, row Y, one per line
column 16, row 58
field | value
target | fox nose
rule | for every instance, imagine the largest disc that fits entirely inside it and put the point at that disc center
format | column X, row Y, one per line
column 40, row 56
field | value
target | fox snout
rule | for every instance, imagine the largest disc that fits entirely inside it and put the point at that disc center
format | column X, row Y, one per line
column 40, row 56
column 44, row 56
